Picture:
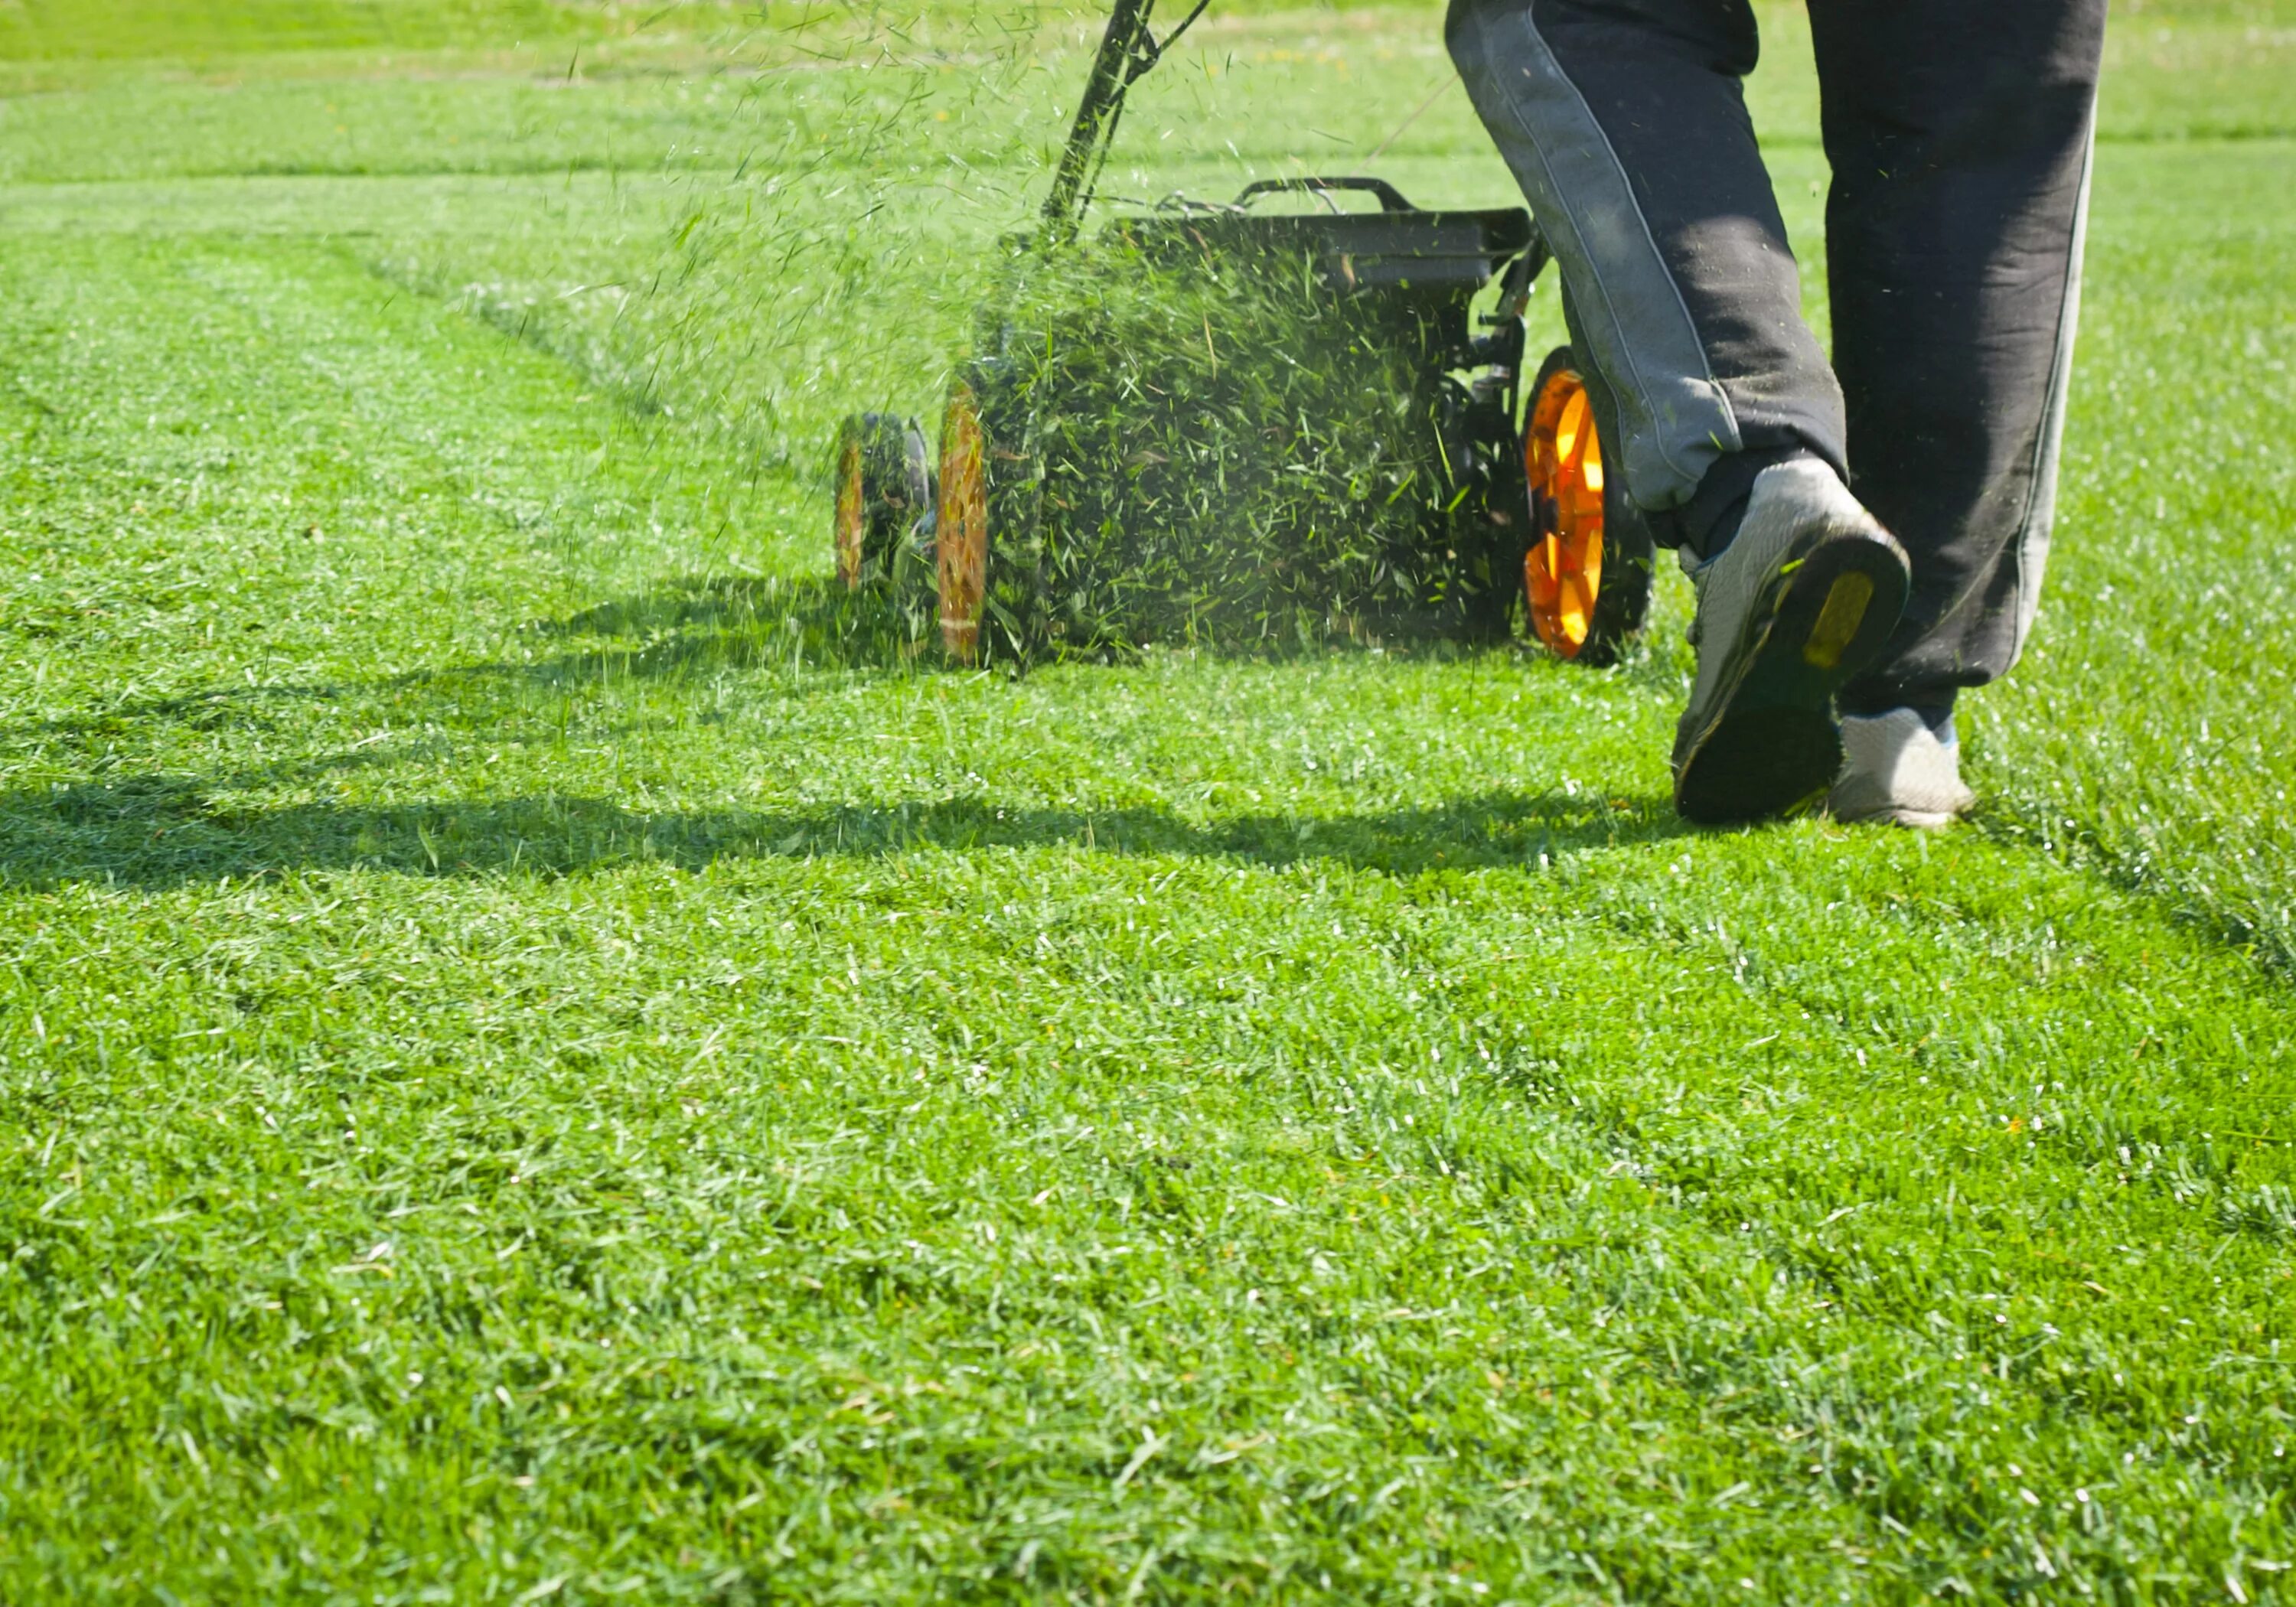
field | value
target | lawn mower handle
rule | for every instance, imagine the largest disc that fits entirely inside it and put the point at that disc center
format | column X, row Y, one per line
column 1390, row 199
column 1126, row 50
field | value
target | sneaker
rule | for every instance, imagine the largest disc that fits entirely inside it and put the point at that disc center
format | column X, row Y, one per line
column 1800, row 601
column 1895, row 769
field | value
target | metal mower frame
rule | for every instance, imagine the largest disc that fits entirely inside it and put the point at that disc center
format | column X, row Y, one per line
column 1524, row 463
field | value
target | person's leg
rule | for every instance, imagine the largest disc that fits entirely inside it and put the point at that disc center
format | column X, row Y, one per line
column 1625, row 124
column 1959, row 134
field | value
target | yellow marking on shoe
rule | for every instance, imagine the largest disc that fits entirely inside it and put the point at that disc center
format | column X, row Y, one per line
column 1838, row 620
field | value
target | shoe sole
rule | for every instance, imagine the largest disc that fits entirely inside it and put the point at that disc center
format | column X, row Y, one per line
column 1772, row 745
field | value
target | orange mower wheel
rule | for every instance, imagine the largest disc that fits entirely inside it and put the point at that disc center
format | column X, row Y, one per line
column 879, row 486
column 1585, row 579
column 961, row 528
column 984, row 518
column 1563, row 456
column 846, row 520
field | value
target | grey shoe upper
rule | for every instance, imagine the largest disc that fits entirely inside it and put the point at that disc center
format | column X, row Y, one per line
column 1789, row 501
column 1894, row 768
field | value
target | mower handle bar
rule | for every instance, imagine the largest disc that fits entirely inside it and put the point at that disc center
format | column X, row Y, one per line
column 1124, row 42
column 1390, row 199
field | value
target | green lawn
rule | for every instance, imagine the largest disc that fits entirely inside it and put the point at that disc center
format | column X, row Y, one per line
column 538, row 1062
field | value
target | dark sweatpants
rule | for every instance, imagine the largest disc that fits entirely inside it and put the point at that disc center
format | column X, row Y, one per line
column 1959, row 133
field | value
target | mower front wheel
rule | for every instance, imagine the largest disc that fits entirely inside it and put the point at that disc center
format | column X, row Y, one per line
column 986, row 517
column 1587, row 578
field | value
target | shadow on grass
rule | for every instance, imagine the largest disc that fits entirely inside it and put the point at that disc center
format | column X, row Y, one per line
column 159, row 832
column 160, row 829
column 811, row 623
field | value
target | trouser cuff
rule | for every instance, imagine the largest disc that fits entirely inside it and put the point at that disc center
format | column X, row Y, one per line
column 1703, row 526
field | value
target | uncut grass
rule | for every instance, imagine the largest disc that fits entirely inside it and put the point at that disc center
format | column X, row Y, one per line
column 889, row 1133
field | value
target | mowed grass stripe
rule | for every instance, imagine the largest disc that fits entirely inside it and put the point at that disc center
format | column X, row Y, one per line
column 390, row 462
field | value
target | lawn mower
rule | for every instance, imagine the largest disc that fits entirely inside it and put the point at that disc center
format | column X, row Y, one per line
column 982, row 547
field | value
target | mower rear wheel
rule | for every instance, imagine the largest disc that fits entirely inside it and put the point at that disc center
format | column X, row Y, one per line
column 1586, row 576
column 881, row 486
